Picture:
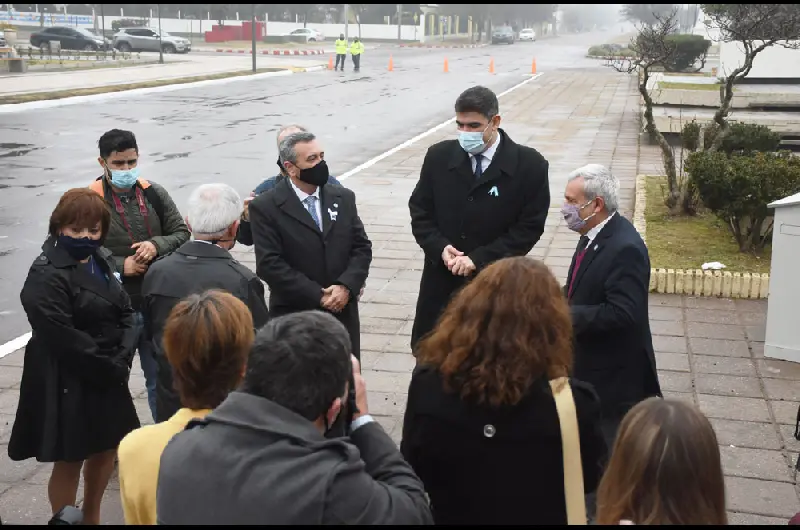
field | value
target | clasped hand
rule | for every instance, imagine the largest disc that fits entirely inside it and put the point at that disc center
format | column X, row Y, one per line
column 456, row 262
column 335, row 297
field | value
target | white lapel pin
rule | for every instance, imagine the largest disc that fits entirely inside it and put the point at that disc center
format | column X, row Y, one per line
column 333, row 214
column 595, row 248
column 494, row 191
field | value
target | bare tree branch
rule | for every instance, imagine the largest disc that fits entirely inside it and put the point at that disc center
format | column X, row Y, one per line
column 756, row 27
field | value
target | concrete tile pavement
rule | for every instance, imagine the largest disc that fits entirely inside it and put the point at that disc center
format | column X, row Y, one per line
column 710, row 351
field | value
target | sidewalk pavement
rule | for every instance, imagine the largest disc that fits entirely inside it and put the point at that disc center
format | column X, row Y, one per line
column 710, row 351
column 174, row 67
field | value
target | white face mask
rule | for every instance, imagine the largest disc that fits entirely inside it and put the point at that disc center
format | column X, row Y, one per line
column 472, row 141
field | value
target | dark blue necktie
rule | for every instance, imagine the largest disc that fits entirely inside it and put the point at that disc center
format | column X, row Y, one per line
column 478, row 166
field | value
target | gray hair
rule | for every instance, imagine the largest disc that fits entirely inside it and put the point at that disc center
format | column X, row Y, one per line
column 598, row 181
column 287, row 150
column 213, row 208
column 285, row 128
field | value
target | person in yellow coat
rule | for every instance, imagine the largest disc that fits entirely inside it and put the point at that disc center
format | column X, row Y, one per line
column 356, row 49
column 207, row 339
column 341, row 52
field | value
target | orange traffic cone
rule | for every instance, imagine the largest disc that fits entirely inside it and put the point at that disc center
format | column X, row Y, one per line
column 391, row 64
column 533, row 66
column 446, row 68
column 491, row 66
column 330, row 62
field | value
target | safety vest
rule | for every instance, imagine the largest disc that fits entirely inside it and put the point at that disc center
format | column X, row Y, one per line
column 341, row 47
column 357, row 48
column 97, row 186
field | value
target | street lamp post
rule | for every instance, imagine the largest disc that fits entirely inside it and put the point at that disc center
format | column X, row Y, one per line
column 253, row 31
column 345, row 22
column 399, row 22
column 160, row 45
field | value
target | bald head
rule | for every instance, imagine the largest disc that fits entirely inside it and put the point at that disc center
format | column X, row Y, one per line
column 286, row 130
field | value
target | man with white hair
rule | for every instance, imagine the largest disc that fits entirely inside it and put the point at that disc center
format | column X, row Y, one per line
column 607, row 288
column 198, row 265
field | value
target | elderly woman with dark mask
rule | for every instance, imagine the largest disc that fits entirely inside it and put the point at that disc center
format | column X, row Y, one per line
column 74, row 405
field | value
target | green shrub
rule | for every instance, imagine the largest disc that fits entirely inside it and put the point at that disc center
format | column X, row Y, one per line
column 743, row 137
column 690, row 136
column 688, row 49
column 605, row 50
column 738, row 189
column 128, row 23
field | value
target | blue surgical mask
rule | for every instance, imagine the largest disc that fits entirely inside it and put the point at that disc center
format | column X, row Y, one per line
column 472, row 141
column 124, row 178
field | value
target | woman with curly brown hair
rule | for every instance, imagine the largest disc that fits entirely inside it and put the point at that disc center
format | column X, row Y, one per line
column 481, row 427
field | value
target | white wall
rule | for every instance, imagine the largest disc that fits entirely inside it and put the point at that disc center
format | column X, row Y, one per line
column 174, row 25
column 774, row 62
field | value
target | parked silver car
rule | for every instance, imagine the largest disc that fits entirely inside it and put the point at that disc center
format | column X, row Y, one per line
column 146, row 40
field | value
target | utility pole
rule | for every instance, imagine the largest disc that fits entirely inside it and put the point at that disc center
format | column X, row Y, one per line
column 160, row 45
column 253, row 31
column 345, row 22
column 399, row 22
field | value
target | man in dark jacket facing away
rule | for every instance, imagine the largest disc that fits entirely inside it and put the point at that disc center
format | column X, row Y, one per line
column 479, row 199
column 261, row 457
column 197, row 266
column 145, row 224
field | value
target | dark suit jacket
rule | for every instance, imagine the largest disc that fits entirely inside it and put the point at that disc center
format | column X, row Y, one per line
column 498, row 216
column 613, row 345
column 297, row 260
column 244, row 234
column 514, row 477
column 193, row 268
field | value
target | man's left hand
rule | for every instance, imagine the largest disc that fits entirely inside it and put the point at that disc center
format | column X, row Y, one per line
column 463, row 266
column 145, row 252
column 338, row 296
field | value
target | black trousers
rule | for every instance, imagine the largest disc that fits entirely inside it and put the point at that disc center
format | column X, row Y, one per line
column 356, row 61
column 340, row 57
column 608, row 427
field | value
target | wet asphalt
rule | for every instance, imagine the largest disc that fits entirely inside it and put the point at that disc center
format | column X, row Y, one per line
column 226, row 133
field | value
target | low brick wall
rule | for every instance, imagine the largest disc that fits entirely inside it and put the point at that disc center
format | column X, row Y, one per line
column 697, row 282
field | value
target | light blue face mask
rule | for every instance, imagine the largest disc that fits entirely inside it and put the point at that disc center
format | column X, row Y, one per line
column 472, row 141
column 124, row 178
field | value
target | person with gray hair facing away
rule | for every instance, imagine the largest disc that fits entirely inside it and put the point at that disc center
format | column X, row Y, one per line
column 261, row 457
column 244, row 235
column 200, row 264
column 607, row 289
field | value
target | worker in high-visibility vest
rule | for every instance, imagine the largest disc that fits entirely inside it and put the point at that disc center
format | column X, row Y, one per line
column 341, row 51
column 356, row 49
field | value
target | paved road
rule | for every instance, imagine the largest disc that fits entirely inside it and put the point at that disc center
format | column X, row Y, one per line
column 226, row 133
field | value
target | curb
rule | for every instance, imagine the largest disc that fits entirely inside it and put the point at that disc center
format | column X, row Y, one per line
column 696, row 282
column 269, row 52
column 303, row 69
column 439, row 46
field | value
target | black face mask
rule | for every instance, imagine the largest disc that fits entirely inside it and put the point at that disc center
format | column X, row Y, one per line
column 78, row 248
column 317, row 175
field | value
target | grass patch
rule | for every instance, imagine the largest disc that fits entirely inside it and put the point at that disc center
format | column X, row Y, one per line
column 688, row 242
column 60, row 94
column 667, row 85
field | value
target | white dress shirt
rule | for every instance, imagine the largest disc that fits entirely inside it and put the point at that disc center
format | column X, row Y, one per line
column 303, row 196
column 487, row 155
column 592, row 234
